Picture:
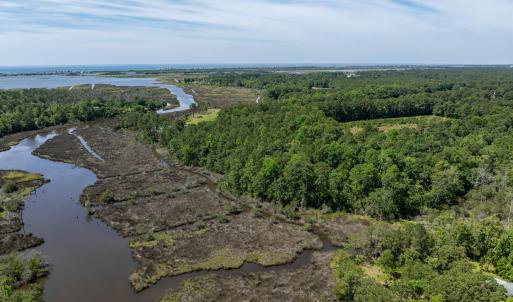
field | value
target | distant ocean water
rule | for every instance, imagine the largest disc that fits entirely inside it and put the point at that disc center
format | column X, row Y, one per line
column 131, row 67
column 76, row 68
column 9, row 70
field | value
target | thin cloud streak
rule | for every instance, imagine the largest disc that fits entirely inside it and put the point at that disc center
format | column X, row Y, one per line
column 255, row 31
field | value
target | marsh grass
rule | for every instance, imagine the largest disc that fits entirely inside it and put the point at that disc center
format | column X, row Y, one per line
column 21, row 177
column 208, row 116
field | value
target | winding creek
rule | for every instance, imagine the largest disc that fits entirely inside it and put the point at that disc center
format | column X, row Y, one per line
column 90, row 261
column 83, row 252
column 55, row 81
column 84, row 144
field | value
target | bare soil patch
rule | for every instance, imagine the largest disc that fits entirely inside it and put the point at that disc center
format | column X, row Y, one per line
column 137, row 186
column 122, row 153
column 179, row 222
column 156, row 213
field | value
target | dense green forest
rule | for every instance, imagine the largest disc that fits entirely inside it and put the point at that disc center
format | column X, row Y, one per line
column 31, row 109
column 429, row 145
column 423, row 265
column 426, row 152
column 339, row 147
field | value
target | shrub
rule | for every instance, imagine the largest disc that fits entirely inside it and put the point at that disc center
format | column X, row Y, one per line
column 387, row 261
column 290, row 211
column 256, row 212
column 107, row 197
column 233, row 209
column 222, row 218
column 9, row 187
column 37, row 267
column 348, row 276
column 460, row 284
column 5, row 289
column 15, row 269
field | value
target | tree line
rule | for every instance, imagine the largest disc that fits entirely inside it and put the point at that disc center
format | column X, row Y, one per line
column 300, row 150
column 31, row 109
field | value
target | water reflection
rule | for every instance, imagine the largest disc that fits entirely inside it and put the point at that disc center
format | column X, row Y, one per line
column 55, row 81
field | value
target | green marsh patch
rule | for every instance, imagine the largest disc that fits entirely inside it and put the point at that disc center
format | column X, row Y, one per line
column 15, row 187
column 312, row 282
column 208, row 116
column 216, row 245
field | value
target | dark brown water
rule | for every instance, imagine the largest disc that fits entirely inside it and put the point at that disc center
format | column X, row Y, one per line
column 90, row 261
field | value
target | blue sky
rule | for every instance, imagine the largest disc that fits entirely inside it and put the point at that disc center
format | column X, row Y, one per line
column 60, row 32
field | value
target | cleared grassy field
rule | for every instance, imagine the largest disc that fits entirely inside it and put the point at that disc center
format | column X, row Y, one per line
column 177, row 79
column 389, row 124
column 220, row 97
column 208, row 116
column 388, row 128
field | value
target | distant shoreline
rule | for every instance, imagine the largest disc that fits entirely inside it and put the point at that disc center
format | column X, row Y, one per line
column 170, row 68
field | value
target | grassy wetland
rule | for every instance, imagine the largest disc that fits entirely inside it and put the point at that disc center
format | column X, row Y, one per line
column 385, row 186
column 19, row 274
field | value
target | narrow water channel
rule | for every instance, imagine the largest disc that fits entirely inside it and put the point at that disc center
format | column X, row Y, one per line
column 84, row 144
column 89, row 260
column 54, row 81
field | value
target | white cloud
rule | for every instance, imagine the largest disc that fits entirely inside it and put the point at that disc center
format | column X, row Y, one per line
column 252, row 31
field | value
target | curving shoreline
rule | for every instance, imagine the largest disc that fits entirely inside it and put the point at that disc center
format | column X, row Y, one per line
column 54, row 81
column 89, row 256
column 62, row 233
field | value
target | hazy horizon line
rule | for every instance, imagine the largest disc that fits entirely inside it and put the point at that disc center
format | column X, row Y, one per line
column 278, row 64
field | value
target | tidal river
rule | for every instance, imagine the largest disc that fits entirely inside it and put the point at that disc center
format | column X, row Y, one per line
column 81, row 250
column 89, row 261
column 54, row 81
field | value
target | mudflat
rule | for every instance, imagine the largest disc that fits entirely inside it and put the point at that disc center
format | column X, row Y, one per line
column 178, row 222
column 312, row 282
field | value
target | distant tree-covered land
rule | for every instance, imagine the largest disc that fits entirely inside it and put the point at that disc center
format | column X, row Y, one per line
column 30, row 109
column 385, row 143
